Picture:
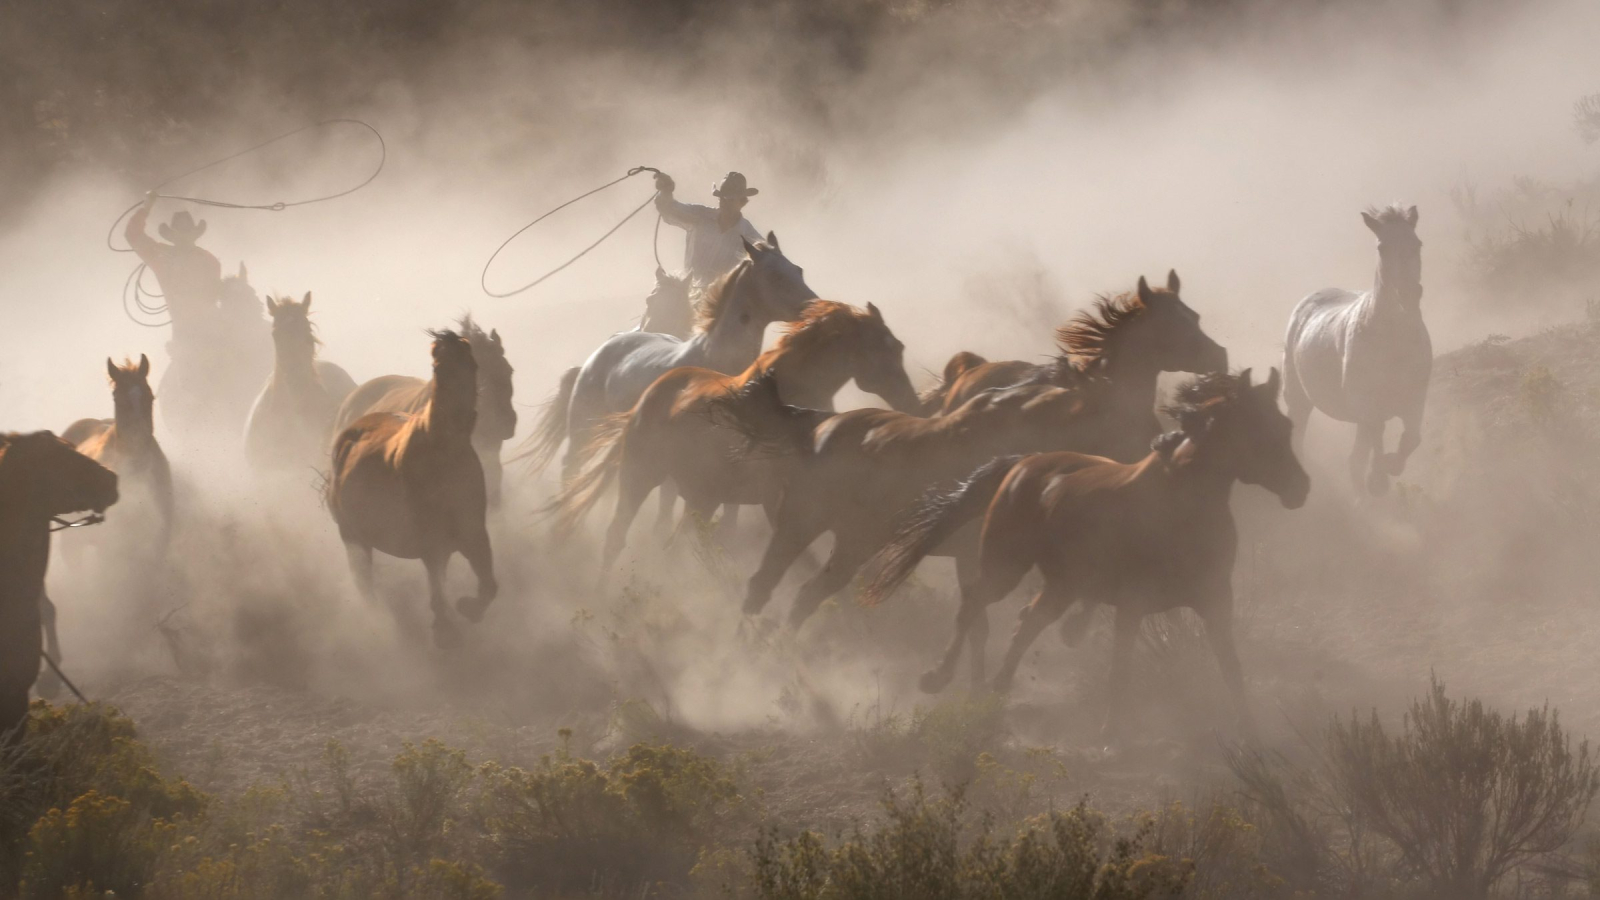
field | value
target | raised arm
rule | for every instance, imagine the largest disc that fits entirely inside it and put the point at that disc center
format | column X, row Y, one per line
column 672, row 210
column 140, row 240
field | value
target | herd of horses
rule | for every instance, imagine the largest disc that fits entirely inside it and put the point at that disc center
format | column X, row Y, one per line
column 1004, row 466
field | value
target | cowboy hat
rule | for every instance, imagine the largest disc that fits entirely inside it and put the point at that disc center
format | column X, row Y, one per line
column 733, row 186
column 183, row 227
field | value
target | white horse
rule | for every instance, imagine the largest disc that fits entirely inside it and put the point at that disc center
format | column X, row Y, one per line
column 288, row 426
column 1365, row 357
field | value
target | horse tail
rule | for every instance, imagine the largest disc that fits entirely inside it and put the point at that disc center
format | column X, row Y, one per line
column 930, row 522
column 932, row 399
column 541, row 446
column 768, row 425
column 602, row 459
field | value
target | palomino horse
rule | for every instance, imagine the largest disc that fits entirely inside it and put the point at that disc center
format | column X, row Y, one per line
column 41, row 477
column 497, row 417
column 1145, row 537
column 732, row 318
column 411, row 486
column 853, row 472
column 1366, row 358
column 1129, row 339
column 669, row 434
column 289, row 424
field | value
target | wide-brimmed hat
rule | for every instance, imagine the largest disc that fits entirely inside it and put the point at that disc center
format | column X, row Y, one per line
column 183, row 227
column 733, row 185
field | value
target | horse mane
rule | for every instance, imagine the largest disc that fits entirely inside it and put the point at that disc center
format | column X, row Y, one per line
column 715, row 301
column 1394, row 213
column 1196, row 397
column 820, row 322
column 1089, row 334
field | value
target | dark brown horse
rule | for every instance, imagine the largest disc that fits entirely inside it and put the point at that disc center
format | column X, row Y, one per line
column 1145, row 537
column 497, row 418
column 669, row 434
column 41, row 477
column 1127, row 340
column 411, row 485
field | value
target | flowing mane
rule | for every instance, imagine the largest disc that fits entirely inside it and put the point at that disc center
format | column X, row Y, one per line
column 1090, row 334
column 711, row 306
column 1392, row 214
column 1196, row 397
column 821, row 322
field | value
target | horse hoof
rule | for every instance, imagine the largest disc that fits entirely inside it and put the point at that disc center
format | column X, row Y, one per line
column 446, row 636
column 471, row 609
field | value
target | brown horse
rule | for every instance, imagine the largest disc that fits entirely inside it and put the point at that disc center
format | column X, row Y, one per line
column 289, row 424
column 669, row 434
column 852, row 473
column 41, row 477
column 1145, row 537
column 1128, row 340
column 126, row 444
column 497, row 418
column 411, row 485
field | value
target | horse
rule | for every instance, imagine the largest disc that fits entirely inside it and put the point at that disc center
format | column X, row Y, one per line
column 126, row 444
column 669, row 433
column 411, row 485
column 730, row 322
column 41, row 477
column 1146, row 537
column 1129, row 339
column 667, row 309
column 1366, row 357
column 497, row 417
column 289, row 423
column 210, row 382
column 857, row 475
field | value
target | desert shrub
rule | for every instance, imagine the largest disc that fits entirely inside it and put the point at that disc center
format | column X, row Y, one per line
column 947, row 738
column 575, row 825
column 1217, row 844
column 1458, row 800
column 931, row 849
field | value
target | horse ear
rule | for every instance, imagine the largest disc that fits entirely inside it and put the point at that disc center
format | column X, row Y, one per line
column 1172, row 281
column 1372, row 223
column 111, row 368
column 872, row 310
column 244, row 274
column 772, row 239
column 272, row 306
column 1272, row 384
column 1144, row 289
column 1411, row 216
column 144, row 366
column 749, row 248
column 1244, row 377
column 661, row 275
column 494, row 336
column 307, row 301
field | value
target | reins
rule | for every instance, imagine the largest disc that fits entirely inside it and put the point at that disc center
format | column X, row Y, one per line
column 483, row 277
column 63, row 525
column 133, row 289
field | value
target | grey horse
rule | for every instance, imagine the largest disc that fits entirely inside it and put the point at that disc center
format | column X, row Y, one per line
column 1365, row 357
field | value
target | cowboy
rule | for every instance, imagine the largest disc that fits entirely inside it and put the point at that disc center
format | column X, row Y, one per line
column 190, row 277
column 715, row 242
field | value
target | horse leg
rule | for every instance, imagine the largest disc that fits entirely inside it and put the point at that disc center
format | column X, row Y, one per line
column 1129, row 617
column 493, row 474
column 1217, row 612
column 446, row 635
column 1377, row 474
column 967, row 570
column 1047, row 607
column 994, row 578
column 794, row 528
column 728, row 524
column 633, row 489
column 851, row 550
column 1410, row 440
column 808, row 560
column 1361, row 453
column 480, row 556
column 669, row 506
column 1297, row 401
column 360, row 557
column 48, row 684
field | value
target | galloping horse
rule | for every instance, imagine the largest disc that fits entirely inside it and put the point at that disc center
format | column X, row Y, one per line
column 1130, row 339
column 127, row 443
column 667, row 309
column 669, row 433
column 1366, row 358
column 411, row 485
column 871, row 465
column 289, row 424
column 1145, row 537
column 765, row 288
column 41, row 477
column 497, row 418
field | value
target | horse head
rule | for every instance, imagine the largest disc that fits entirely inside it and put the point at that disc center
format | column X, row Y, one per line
column 1149, row 330
column 292, row 332
column 778, row 287
column 497, row 417
column 1237, row 426
column 132, row 397
column 455, row 380
column 47, row 476
column 1399, row 251
column 878, row 360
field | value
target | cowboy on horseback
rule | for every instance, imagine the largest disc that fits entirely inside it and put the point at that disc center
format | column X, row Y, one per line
column 715, row 240
column 190, row 276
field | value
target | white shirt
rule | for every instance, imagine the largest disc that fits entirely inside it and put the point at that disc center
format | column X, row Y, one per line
column 709, row 251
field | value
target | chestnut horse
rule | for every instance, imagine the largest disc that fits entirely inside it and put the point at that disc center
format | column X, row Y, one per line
column 497, row 418
column 126, row 444
column 411, row 485
column 289, row 424
column 1145, row 537
column 1129, row 340
column 41, row 477
column 669, row 433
